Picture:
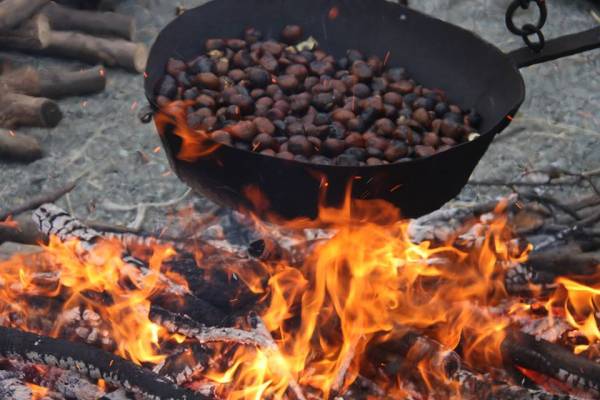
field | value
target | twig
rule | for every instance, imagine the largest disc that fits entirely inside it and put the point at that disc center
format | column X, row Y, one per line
column 142, row 208
column 551, row 201
column 36, row 201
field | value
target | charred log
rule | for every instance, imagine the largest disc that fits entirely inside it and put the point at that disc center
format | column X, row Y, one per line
column 90, row 362
column 17, row 147
column 62, row 18
column 55, row 84
column 551, row 360
column 176, row 323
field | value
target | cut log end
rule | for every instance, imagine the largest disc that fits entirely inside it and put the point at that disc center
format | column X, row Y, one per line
column 50, row 113
column 140, row 58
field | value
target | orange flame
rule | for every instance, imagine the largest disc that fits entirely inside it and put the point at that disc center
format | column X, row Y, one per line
column 369, row 283
column 100, row 282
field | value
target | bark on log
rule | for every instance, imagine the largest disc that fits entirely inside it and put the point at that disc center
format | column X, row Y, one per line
column 17, row 147
column 54, row 84
column 551, row 360
column 110, row 52
column 24, row 231
column 30, row 37
column 62, row 18
column 38, row 200
column 21, row 110
column 90, row 362
column 103, row 5
column 14, row 12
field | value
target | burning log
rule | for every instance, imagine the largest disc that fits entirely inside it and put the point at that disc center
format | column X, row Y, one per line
column 17, row 147
column 63, row 18
column 21, row 110
column 110, row 52
column 91, row 362
column 54, row 84
column 551, row 360
column 14, row 12
column 51, row 220
column 176, row 323
column 67, row 383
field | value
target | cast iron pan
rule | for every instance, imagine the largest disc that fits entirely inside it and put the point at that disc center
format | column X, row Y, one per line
column 474, row 74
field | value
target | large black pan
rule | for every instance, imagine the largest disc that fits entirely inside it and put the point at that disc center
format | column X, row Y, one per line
column 473, row 72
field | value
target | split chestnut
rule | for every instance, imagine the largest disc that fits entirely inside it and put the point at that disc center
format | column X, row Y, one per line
column 289, row 99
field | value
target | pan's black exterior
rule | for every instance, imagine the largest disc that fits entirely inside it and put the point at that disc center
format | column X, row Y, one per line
column 473, row 72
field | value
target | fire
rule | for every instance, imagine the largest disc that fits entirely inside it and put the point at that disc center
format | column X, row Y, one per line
column 342, row 314
column 370, row 284
column 98, row 286
column 37, row 392
column 195, row 143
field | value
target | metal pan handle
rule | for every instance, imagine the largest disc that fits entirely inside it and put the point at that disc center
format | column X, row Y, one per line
column 557, row 48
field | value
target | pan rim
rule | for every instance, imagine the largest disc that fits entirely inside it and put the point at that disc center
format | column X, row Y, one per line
column 502, row 124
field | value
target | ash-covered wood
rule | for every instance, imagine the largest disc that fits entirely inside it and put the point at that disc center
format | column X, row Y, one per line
column 21, row 110
column 17, row 147
column 92, row 22
column 54, row 84
column 14, row 12
column 91, row 362
column 12, row 386
column 551, row 360
column 189, row 328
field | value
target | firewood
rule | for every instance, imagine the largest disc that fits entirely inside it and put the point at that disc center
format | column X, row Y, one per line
column 90, row 362
column 30, row 36
column 54, row 84
column 17, row 147
column 21, row 230
column 110, row 52
column 14, row 12
column 551, row 360
column 38, row 200
column 102, row 5
column 22, row 110
column 62, row 18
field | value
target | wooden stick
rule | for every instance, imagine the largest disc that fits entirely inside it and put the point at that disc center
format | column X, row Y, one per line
column 22, row 110
column 17, row 147
column 14, row 12
column 110, row 52
column 38, row 200
column 63, row 18
column 54, row 84
column 31, row 36
column 90, row 362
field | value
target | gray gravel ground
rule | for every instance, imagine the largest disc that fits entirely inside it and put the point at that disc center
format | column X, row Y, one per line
column 101, row 139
